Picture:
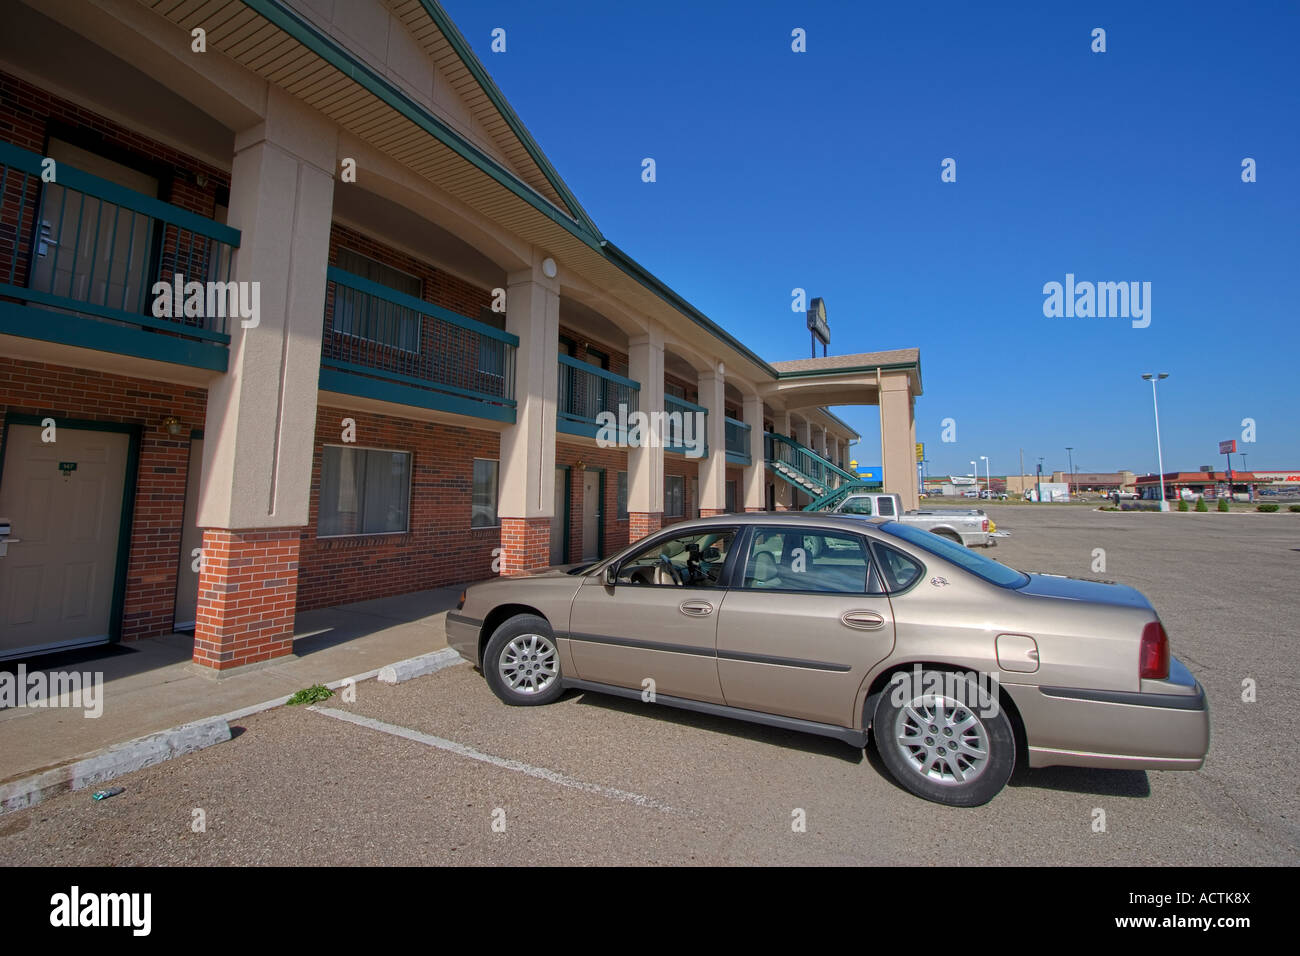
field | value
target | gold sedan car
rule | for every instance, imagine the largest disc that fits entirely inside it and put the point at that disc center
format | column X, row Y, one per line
column 957, row 665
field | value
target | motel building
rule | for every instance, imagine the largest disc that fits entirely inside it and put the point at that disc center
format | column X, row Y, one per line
column 405, row 389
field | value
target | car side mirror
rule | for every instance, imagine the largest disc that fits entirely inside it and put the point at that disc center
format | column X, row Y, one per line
column 611, row 575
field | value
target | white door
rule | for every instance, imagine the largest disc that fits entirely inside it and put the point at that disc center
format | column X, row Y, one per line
column 187, row 579
column 90, row 250
column 64, row 501
column 590, row 515
column 560, row 519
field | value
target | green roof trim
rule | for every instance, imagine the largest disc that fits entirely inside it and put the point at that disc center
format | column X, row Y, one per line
column 476, row 68
column 333, row 53
column 581, row 226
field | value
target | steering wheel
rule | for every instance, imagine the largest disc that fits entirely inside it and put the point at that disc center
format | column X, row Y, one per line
column 672, row 569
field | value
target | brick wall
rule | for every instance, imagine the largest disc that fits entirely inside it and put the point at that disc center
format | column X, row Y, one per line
column 248, row 585
column 526, row 544
column 440, row 548
column 65, row 393
column 642, row 523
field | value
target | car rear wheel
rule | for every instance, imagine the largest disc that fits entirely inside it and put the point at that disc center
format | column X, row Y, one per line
column 522, row 662
column 944, row 738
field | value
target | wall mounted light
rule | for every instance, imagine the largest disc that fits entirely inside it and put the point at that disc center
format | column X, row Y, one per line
column 200, row 179
column 549, row 268
column 173, row 426
column 580, row 465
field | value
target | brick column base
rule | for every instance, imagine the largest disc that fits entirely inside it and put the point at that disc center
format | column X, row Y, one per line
column 642, row 523
column 712, row 512
column 525, row 544
column 755, row 509
column 248, row 591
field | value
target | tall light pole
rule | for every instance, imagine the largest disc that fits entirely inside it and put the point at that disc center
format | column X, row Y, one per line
column 1154, row 377
column 975, row 473
column 1069, row 453
column 1038, row 487
column 988, row 475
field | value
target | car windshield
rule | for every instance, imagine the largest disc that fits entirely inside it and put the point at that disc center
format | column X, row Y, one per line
column 976, row 564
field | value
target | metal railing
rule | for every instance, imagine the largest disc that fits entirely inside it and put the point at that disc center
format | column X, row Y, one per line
column 585, row 391
column 376, row 331
column 803, row 460
column 85, row 245
column 737, row 438
column 685, row 425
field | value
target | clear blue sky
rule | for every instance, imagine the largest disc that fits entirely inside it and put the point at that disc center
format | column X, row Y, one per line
column 821, row 170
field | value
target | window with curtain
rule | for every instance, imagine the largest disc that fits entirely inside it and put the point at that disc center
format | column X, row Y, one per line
column 622, row 496
column 483, row 509
column 368, row 317
column 363, row 491
column 674, row 496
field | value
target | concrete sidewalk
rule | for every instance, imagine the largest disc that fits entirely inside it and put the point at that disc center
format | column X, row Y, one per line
column 151, row 685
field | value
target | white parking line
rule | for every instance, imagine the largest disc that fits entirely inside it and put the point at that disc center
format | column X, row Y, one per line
column 462, row 750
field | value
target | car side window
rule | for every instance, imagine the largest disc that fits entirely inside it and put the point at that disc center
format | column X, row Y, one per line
column 857, row 506
column 691, row 560
column 899, row 570
column 789, row 559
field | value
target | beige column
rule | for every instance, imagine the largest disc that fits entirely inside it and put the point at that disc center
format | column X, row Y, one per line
column 784, row 491
column 645, row 463
column 713, row 468
column 526, row 478
column 261, row 415
column 755, row 475
column 260, row 422
column 803, row 433
column 897, row 429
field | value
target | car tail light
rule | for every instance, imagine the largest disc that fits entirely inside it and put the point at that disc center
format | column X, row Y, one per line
column 984, row 525
column 1153, row 657
column 461, row 603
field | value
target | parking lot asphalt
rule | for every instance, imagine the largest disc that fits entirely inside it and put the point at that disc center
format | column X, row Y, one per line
column 441, row 772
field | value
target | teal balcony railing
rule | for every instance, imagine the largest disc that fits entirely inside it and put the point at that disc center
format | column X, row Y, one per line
column 586, row 391
column 87, row 253
column 686, row 426
column 386, row 344
column 737, row 442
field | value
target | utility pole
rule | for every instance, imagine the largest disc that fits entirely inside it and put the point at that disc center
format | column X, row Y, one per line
column 1069, row 487
column 1021, row 482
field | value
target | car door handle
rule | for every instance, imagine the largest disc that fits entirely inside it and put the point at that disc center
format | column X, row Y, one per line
column 863, row 620
column 696, row 608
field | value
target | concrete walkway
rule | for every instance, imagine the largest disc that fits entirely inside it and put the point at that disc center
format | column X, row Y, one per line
column 151, row 685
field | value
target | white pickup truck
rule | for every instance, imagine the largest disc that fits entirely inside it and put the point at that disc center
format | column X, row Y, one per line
column 968, row 526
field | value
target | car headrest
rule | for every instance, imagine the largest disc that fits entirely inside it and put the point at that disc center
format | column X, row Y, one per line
column 764, row 568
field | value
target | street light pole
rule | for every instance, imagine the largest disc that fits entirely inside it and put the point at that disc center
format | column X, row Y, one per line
column 975, row 473
column 988, row 475
column 1069, row 485
column 1154, row 377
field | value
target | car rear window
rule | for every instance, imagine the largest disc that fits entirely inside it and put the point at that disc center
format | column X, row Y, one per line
column 976, row 564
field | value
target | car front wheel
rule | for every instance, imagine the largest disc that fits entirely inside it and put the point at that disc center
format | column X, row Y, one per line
column 944, row 737
column 522, row 663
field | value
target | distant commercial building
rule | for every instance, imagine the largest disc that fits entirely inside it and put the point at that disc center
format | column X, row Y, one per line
column 1096, row 481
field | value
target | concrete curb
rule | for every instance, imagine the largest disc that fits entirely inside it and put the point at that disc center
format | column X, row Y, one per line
column 418, row 666
column 112, row 762
column 132, row 755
